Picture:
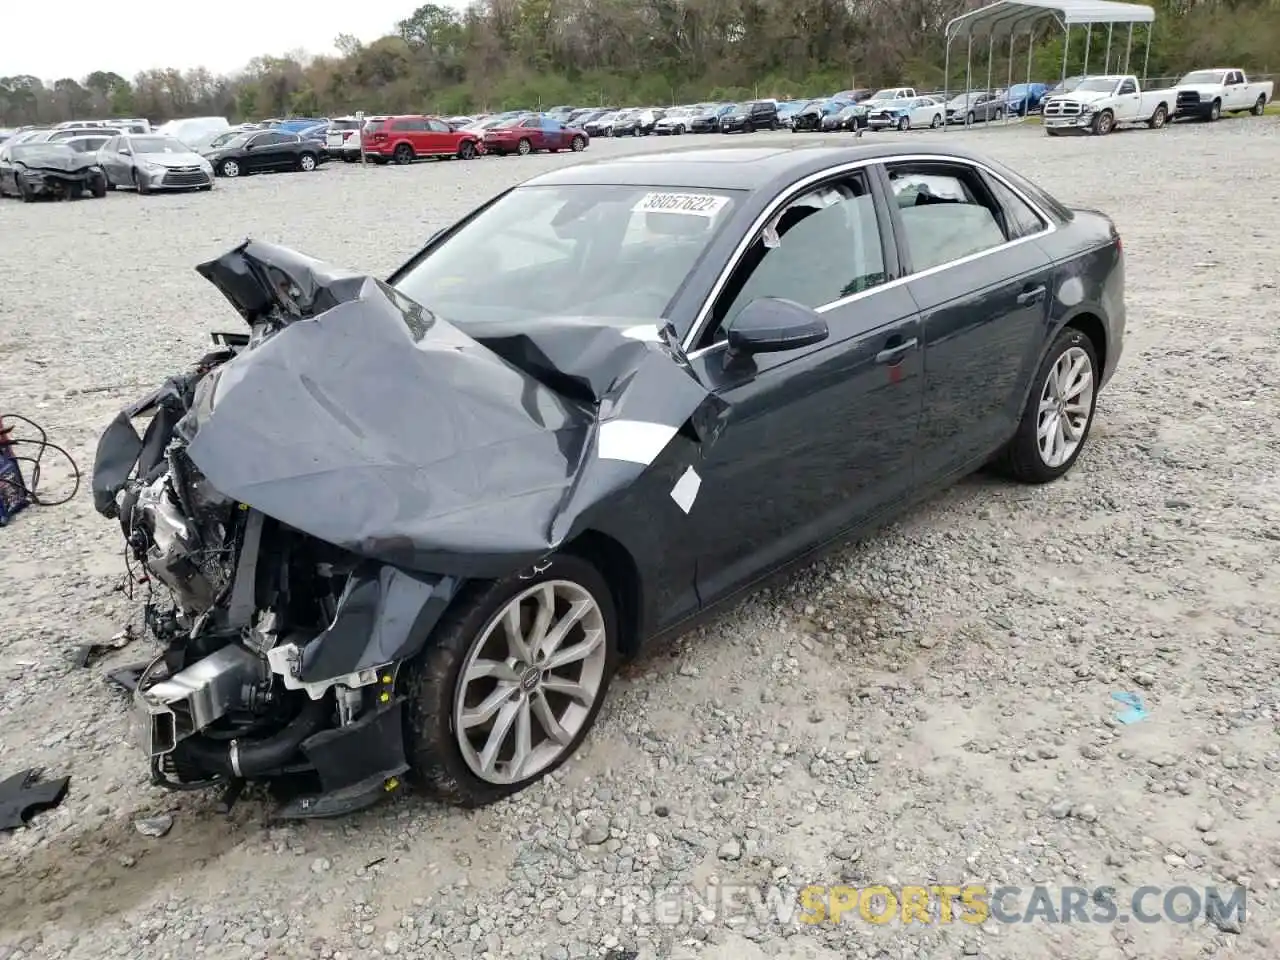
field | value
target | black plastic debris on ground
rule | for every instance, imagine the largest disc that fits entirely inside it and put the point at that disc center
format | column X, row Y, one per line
column 24, row 795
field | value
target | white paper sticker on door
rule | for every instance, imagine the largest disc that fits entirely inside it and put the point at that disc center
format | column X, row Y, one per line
column 689, row 204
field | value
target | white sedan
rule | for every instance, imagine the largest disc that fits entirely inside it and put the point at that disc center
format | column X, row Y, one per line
column 905, row 114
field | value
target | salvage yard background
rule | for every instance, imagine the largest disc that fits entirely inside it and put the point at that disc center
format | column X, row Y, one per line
column 932, row 706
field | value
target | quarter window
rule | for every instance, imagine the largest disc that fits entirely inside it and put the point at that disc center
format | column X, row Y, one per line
column 1019, row 219
column 437, row 126
column 945, row 211
column 821, row 247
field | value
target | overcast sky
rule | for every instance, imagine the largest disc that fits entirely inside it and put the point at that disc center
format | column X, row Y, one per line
column 221, row 37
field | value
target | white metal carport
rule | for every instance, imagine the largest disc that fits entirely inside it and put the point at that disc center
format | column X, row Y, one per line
column 1013, row 18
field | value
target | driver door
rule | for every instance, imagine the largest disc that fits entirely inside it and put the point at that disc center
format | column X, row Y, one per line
column 818, row 439
column 1129, row 101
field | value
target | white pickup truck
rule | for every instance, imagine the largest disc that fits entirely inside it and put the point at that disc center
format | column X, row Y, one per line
column 1208, row 94
column 1097, row 105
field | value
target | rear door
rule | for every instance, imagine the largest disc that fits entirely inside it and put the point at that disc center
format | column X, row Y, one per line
column 821, row 438
column 1236, row 95
column 531, row 130
column 967, row 241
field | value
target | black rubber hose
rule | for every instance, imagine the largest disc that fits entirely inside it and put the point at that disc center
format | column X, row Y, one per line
column 253, row 758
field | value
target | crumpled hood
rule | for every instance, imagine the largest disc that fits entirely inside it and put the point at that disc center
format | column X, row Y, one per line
column 58, row 161
column 368, row 422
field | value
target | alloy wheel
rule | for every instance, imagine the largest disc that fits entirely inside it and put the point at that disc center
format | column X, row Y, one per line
column 230, row 168
column 307, row 163
column 530, row 681
column 1066, row 401
column 524, row 148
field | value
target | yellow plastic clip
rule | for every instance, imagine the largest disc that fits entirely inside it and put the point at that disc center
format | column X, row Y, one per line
column 391, row 784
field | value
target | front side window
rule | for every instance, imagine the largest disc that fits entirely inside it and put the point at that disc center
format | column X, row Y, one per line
column 821, row 247
column 587, row 250
column 946, row 212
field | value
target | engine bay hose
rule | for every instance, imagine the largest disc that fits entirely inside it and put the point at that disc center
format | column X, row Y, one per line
column 254, row 758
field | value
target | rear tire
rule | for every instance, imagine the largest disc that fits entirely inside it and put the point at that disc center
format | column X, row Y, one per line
column 403, row 154
column 1024, row 458
column 433, row 682
column 1259, row 105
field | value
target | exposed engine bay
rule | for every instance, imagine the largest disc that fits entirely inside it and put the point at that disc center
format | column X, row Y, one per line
column 306, row 502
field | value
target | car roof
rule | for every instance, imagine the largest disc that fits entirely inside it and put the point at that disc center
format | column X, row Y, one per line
column 730, row 167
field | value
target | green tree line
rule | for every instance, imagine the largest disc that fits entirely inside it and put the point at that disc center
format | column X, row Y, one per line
column 502, row 54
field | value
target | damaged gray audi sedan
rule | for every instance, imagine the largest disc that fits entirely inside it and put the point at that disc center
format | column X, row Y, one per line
column 412, row 527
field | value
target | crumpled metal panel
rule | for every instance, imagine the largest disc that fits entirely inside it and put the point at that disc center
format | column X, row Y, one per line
column 368, row 422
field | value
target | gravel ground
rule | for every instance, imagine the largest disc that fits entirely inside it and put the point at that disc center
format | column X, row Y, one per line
column 933, row 706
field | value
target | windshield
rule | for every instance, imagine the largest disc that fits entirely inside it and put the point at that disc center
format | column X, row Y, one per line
column 224, row 138
column 158, row 145
column 884, row 95
column 585, row 250
column 345, row 124
column 1096, row 85
column 1204, row 76
column 86, row 144
column 740, row 110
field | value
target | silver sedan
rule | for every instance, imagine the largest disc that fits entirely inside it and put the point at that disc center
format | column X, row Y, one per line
column 154, row 162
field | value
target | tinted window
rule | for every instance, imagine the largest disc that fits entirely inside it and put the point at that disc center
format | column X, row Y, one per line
column 531, row 122
column 1020, row 219
column 1128, row 86
column 823, row 246
column 945, row 211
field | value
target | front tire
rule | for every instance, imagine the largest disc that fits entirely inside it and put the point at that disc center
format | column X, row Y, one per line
column 467, row 151
column 229, row 168
column 1215, row 111
column 1104, row 123
column 1159, row 118
column 524, row 147
column 98, row 187
column 1059, row 412
column 403, row 154
column 511, row 681
column 578, row 144
column 307, row 162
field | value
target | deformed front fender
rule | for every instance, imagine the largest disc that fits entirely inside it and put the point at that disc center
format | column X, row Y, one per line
column 385, row 615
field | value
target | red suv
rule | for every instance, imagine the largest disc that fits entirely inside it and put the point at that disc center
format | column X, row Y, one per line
column 404, row 139
column 524, row 135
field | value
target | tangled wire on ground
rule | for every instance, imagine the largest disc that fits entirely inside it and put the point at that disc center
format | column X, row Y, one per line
column 14, row 488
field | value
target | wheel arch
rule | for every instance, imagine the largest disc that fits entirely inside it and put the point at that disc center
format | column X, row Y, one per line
column 1091, row 325
column 619, row 569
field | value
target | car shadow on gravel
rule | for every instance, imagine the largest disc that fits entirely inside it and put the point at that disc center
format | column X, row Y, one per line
column 93, row 876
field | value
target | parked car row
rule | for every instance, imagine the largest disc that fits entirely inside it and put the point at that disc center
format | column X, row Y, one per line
column 1097, row 105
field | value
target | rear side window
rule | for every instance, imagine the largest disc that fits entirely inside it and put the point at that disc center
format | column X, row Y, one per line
column 946, row 212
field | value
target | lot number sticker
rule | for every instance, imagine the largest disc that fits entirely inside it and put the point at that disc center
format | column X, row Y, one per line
column 690, row 204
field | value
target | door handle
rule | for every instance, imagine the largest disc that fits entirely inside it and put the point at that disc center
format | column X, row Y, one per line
column 1030, row 296
column 894, row 354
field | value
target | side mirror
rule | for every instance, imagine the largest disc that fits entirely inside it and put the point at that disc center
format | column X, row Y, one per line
column 774, row 325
